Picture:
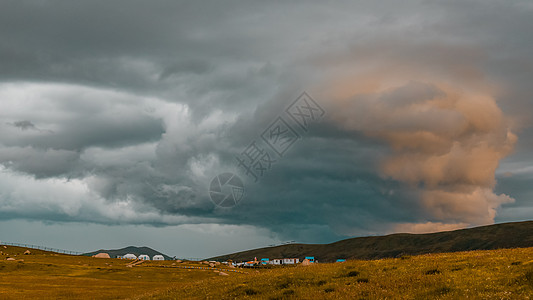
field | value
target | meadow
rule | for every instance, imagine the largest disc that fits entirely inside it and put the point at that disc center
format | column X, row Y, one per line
column 488, row 274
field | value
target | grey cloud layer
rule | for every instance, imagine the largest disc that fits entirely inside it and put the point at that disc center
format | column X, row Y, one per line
column 135, row 106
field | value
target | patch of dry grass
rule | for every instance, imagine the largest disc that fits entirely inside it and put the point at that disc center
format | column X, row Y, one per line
column 491, row 274
column 494, row 274
column 44, row 275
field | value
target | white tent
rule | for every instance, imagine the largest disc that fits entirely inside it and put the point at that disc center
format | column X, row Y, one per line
column 129, row 256
column 102, row 255
column 144, row 257
column 158, row 257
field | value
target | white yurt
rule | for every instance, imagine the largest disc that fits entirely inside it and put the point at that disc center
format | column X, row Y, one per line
column 144, row 257
column 102, row 255
column 129, row 256
column 158, row 257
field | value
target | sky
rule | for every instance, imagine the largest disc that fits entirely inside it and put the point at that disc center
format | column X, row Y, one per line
column 338, row 118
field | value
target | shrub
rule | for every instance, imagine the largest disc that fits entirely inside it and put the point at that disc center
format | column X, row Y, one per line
column 250, row 292
column 352, row 274
column 432, row 272
column 288, row 292
column 529, row 277
column 321, row 282
column 442, row 291
column 362, row 280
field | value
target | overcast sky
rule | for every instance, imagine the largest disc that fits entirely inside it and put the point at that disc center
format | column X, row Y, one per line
column 116, row 115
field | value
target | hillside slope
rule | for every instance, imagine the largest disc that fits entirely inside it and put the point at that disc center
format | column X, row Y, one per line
column 506, row 235
column 131, row 249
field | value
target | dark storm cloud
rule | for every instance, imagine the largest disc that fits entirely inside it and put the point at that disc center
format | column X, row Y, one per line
column 132, row 107
column 194, row 67
column 24, row 125
column 138, row 47
column 41, row 163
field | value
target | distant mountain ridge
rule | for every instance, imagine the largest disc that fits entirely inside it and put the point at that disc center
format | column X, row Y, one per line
column 505, row 235
column 131, row 249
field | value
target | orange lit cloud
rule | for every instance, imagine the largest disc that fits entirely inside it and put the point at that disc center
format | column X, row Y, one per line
column 439, row 117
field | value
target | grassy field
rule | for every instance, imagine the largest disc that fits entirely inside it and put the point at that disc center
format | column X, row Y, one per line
column 492, row 274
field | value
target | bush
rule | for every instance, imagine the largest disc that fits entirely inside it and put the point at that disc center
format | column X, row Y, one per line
column 250, row 292
column 321, row 282
column 362, row 280
column 442, row 291
column 352, row 274
column 432, row 272
column 529, row 277
column 288, row 292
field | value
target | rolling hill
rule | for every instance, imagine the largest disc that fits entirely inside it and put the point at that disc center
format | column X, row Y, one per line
column 131, row 249
column 498, row 236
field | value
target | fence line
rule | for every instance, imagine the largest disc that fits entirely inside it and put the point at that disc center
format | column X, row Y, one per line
column 42, row 248
column 67, row 251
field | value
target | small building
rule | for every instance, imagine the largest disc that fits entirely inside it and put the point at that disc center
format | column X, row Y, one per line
column 129, row 256
column 276, row 261
column 290, row 261
column 310, row 258
column 264, row 261
column 341, row 260
column 249, row 263
column 144, row 257
column 158, row 257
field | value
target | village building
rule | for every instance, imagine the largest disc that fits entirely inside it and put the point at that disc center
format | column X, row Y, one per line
column 129, row 256
column 290, row 261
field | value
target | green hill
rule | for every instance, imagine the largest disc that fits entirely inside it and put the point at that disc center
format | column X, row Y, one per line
column 131, row 249
column 498, row 236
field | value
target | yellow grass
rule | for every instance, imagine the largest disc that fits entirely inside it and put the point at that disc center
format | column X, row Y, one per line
column 495, row 274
